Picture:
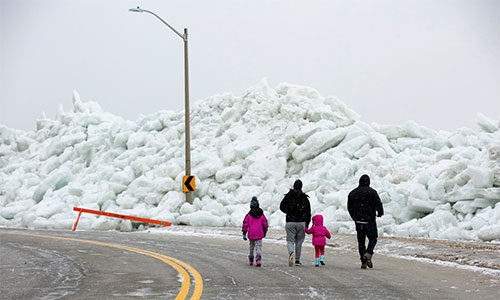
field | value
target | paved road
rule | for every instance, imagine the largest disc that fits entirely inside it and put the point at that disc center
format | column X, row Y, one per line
column 42, row 268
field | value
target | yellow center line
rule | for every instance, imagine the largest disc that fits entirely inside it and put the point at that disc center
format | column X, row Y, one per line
column 198, row 281
column 175, row 263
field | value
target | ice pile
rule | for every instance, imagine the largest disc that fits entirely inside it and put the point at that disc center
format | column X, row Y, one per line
column 433, row 184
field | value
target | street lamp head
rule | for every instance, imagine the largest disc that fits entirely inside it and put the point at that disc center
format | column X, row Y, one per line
column 138, row 9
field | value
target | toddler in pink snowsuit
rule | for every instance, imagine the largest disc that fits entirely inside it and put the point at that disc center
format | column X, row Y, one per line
column 255, row 224
column 320, row 233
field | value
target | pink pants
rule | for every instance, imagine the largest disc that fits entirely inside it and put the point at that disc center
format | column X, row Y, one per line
column 320, row 250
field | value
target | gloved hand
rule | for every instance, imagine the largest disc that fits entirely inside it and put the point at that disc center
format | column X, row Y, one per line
column 245, row 236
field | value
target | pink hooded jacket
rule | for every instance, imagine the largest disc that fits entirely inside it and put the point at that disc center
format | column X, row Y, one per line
column 318, row 231
column 256, row 227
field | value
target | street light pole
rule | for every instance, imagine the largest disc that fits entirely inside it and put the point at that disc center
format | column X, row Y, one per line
column 186, row 112
column 186, row 93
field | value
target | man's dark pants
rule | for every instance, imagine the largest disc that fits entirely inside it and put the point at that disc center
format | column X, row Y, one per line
column 366, row 230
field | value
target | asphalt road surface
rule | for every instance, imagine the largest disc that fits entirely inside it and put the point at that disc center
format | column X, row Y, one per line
column 114, row 265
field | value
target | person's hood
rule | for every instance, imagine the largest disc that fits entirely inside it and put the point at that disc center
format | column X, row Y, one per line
column 317, row 220
column 364, row 180
column 297, row 185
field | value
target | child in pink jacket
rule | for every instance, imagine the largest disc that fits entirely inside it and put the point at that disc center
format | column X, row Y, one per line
column 319, row 233
column 255, row 224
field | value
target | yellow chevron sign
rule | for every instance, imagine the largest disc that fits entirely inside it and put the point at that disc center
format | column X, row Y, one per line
column 188, row 183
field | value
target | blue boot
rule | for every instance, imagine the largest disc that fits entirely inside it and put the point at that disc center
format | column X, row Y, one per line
column 322, row 259
column 317, row 262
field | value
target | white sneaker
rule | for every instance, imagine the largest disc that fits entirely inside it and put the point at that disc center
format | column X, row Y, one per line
column 291, row 259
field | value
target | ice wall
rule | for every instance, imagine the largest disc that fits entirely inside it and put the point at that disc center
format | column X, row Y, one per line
column 433, row 183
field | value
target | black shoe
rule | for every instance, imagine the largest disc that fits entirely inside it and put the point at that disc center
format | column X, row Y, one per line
column 368, row 258
column 298, row 263
column 364, row 265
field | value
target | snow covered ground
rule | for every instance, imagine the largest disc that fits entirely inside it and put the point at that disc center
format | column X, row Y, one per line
column 433, row 184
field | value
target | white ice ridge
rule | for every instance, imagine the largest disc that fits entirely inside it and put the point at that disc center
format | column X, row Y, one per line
column 433, row 184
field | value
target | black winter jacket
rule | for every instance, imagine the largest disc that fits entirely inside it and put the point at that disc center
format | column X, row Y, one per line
column 363, row 202
column 296, row 206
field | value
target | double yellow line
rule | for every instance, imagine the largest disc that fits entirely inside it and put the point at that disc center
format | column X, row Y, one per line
column 179, row 265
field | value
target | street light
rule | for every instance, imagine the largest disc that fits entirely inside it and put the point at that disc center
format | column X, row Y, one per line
column 184, row 37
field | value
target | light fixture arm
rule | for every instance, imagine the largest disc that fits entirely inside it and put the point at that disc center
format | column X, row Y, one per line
column 183, row 37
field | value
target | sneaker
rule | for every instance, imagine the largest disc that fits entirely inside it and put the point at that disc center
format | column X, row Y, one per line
column 322, row 260
column 258, row 261
column 368, row 258
column 250, row 260
column 291, row 258
column 298, row 263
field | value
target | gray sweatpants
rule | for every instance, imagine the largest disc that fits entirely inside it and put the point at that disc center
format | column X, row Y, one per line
column 295, row 235
column 257, row 244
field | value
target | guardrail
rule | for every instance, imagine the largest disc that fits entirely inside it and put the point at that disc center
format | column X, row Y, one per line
column 108, row 214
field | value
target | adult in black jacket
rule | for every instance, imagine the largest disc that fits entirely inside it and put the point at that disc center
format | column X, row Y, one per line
column 362, row 203
column 297, row 208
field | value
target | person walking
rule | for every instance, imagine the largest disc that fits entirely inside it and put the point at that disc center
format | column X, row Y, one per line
column 363, row 203
column 297, row 208
column 320, row 233
column 255, row 224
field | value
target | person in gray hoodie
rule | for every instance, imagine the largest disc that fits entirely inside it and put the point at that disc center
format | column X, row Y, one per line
column 297, row 208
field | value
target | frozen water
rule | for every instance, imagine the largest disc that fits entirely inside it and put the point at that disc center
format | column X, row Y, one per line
column 433, row 184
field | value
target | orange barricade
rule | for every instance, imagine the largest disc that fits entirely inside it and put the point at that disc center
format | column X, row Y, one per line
column 102, row 213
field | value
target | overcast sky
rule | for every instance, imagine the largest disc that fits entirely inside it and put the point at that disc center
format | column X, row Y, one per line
column 436, row 62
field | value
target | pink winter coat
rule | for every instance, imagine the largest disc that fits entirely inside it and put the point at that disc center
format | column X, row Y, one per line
column 318, row 231
column 256, row 227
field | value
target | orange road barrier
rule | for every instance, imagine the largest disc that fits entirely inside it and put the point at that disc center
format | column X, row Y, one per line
column 103, row 213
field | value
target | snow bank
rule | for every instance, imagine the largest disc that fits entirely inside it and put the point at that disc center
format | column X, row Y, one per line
column 433, row 183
